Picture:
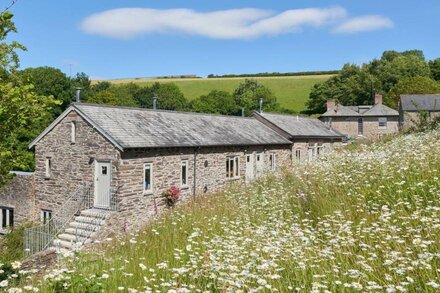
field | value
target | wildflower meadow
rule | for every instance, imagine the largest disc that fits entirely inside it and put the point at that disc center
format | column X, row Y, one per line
column 363, row 218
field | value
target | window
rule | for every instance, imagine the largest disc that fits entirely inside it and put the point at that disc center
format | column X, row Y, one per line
column 232, row 167
column 48, row 167
column 104, row 170
column 319, row 149
column 72, row 132
column 382, row 122
column 148, row 177
column 272, row 162
column 6, row 218
column 45, row 216
column 184, row 173
column 360, row 126
column 298, row 155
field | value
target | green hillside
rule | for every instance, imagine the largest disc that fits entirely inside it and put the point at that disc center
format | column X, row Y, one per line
column 292, row 91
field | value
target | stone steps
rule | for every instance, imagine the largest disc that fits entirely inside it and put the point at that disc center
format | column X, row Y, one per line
column 80, row 230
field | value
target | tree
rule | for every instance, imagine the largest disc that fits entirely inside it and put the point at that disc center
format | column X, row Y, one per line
column 434, row 65
column 248, row 94
column 82, row 80
column 109, row 97
column 216, row 102
column 49, row 81
column 169, row 97
column 352, row 86
column 355, row 85
column 23, row 113
column 411, row 85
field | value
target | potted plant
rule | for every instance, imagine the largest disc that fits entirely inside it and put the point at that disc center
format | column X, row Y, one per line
column 171, row 196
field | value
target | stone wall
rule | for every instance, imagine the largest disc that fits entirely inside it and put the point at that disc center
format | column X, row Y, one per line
column 73, row 164
column 410, row 118
column 137, row 207
column 19, row 195
column 349, row 126
column 303, row 145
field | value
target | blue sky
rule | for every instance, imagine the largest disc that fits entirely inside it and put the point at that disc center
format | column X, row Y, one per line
column 115, row 39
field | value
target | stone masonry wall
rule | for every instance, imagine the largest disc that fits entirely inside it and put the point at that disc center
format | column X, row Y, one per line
column 18, row 194
column 73, row 164
column 349, row 126
column 137, row 207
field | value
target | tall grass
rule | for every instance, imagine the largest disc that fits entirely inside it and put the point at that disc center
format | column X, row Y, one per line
column 361, row 219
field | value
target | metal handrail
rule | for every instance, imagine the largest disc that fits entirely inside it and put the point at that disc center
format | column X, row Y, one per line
column 39, row 238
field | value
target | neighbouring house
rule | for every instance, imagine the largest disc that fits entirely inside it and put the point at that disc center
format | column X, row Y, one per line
column 411, row 105
column 16, row 201
column 104, row 168
column 367, row 121
column 309, row 136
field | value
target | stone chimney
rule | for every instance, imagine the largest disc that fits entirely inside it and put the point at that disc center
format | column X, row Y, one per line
column 330, row 104
column 377, row 99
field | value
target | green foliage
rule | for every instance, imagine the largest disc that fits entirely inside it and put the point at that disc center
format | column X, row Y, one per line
column 82, row 81
column 216, row 102
column 411, row 85
column 248, row 94
column 11, row 245
column 49, row 81
column 169, row 97
column 76, row 284
column 356, row 85
column 9, row 60
column 434, row 65
column 23, row 113
column 351, row 86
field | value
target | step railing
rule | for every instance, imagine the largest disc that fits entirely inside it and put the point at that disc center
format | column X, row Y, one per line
column 40, row 237
column 110, row 203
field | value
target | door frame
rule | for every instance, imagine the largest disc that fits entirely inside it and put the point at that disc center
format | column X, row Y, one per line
column 95, row 196
column 249, row 165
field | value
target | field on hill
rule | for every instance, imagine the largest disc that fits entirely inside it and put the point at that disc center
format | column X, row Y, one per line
column 365, row 218
column 292, row 91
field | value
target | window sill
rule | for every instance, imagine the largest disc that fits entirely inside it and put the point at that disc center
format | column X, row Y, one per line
column 149, row 192
column 4, row 232
column 233, row 179
column 184, row 187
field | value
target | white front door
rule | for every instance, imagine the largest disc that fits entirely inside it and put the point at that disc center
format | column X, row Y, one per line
column 260, row 164
column 102, row 184
column 250, row 167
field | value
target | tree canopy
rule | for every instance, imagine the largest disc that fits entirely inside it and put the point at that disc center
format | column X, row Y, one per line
column 248, row 94
column 356, row 85
column 216, row 102
column 23, row 112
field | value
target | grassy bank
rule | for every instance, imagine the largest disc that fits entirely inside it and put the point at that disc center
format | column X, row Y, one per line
column 364, row 218
column 292, row 91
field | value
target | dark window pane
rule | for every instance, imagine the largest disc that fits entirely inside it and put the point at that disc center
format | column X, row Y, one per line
column 3, row 218
column 184, row 174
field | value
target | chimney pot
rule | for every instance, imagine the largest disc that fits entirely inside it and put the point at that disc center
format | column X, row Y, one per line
column 330, row 104
column 377, row 99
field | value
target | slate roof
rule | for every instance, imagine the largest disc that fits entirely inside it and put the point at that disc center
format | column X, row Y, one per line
column 145, row 128
column 359, row 111
column 420, row 102
column 299, row 126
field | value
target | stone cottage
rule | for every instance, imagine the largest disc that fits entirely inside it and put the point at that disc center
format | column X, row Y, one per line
column 411, row 105
column 309, row 136
column 367, row 121
column 98, row 162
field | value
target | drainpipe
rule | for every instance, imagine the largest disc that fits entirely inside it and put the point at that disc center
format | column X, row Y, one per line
column 195, row 168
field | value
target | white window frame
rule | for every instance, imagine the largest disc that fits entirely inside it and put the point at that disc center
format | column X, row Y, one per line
column 150, row 188
column 384, row 122
column 272, row 162
column 184, row 163
column 45, row 216
column 7, row 211
column 235, row 172
column 73, row 132
column 48, row 165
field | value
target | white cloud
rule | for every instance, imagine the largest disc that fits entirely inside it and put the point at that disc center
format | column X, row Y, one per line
column 126, row 23
column 364, row 24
